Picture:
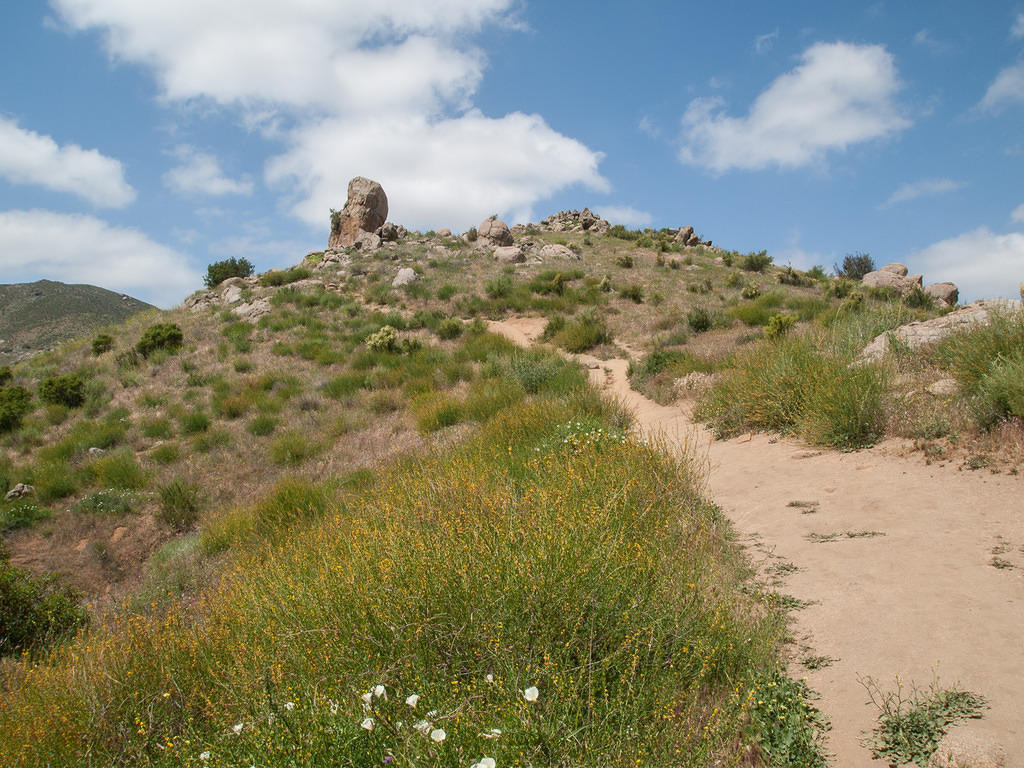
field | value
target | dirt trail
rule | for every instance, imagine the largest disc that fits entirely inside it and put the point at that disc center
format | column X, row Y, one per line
column 940, row 591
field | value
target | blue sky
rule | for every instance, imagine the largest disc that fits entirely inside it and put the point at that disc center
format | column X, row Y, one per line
column 139, row 141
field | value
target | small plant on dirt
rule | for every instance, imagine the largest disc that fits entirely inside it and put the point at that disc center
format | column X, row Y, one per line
column 104, row 342
column 855, row 266
column 699, row 319
column 68, row 390
column 787, row 728
column 751, row 290
column 220, row 271
column 624, row 260
column 179, row 504
column 779, row 325
column 162, row 336
column 106, row 502
column 449, row 328
column 911, row 724
column 634, row 293
column 384, row 340
column 755, row 262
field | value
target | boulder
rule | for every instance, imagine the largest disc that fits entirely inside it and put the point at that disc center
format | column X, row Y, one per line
column 367, row 241
column 896, row 268
column 494, row 232
column 944, row 293
column 444, row 232
column 366, row 210
column 253, row 310
column 405, row 276
column 231, row 294
column 600, row 227
column 923, row 332
column 943, row 388
column 553, row 251
column 509, row 254
column 19, row 491
column 683, row 235
column 882, row 278
column 963, row 750
column 388, row 233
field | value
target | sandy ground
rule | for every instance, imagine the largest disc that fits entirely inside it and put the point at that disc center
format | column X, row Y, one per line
column 923, row 599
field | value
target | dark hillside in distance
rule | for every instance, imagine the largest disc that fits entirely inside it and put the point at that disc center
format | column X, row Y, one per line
column 38, row 316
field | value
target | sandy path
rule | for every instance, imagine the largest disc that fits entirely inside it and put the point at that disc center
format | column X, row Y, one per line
column 922, row 599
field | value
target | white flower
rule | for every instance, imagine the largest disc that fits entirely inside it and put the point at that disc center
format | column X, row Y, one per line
column 485, row 762
column 289, row 705
column 237, row 727
column 531, row 693
column 380, row 692
column 438, row 735
column 489, row 678
column 367, row 697
column 492, row 734
column 367, row 724
column 204, row 756
column 413, row 700
column 334, row 706
column 422, row 726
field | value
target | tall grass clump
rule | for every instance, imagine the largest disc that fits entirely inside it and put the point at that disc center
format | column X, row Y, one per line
column 548, row 592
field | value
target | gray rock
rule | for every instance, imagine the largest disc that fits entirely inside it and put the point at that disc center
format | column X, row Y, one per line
column 943, row 388
column 944, row 293
column 367, row 241
column 19, row 491
column 405, row 276
column 94, row 451
column 388, row 233
column 881, row 278
column 896, row 268
column 495, row 232
column 253, row 310
column 231, row 294
column 509, row 254
column 444, row 232
column 366, row 210
column 554, row 251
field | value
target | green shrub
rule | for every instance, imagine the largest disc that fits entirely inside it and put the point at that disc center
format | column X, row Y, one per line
column 755, row 262
column 552, row 327
column 21, row 514
column 790, row 276
column 435, row 410
column 180, row 504
column 211, row 439
column 634, row 293
column 165, row 454
column 67, row 390
column 293, row 448
column 446, row 291
column 220, row 271
column 162, row 336
column 345, row 385
column 118, row 470
column 54, row 480
column 38, row 611
column 15, row 403
column 384, row 340
column 582, row 334
column 158, row 428
column 106, row 502
column 283, row 277
column 751, row 290
column 778, row 325
column 855, row 266
column 500, row 287
column 6, row 375
column 194, row 422
column 471, row 235
column 104, row 342
column 238, row 333
column 624, row 260
column 488, row 396
column 261, row 426
column 449, row 328
column 699, row 319
column 916, row 298
column 970, row 354
column 1000, row 391
column 734, row 279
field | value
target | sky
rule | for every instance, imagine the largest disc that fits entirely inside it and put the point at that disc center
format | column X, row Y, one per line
column 142, row 141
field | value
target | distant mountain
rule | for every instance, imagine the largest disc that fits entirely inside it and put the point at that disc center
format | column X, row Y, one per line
column 38, row 316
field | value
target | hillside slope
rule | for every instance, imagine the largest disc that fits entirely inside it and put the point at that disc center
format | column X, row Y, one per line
column 38, row 316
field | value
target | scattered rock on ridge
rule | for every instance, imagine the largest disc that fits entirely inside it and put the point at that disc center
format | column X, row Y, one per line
column 364, row 213
column 494, row 232
column 509, row 254
column 945, row 293
column 558, row 252
column 883, row 278
column 896, row 268
column 405, row 276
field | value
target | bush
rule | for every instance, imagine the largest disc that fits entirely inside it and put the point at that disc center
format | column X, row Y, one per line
column 261, row 426
column 168, row 453
column 699, row 319
column 751, row 290
column 220, row 271
column 15, row 403
column 634, row 293
column 471, row 235
column 734, row 279
column 194, row 422
column 38, row 611
column 1000, row 392
column 179, row 504
column 384, row 340
column 855, row 266
column 293, row 448
column 778, row 325
column 625, row 261
column 118, row 470
column 104, row 342
column 167, row 336
column 790, row 276
column 6, row 375
column 446, row 291
column 68, row 390
column 106, row 502
column 755, row 262
column 500, row 287
column 918, row 299
column 283, row 277
column 449, row 328
column 435, row 410
column 582, row 334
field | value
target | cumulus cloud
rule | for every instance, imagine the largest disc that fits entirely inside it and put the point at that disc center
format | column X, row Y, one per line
column 84, row 249
column 381, row 89
column 200, row 173
column 841, row 94
column 982, row 263
column 1018, row 26
column 625, row 215
column 445, row 173
column 1007, row 88
column 923, row 188
column 27, row 157
column 1018, row 213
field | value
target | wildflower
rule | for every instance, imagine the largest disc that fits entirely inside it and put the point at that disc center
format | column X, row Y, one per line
column 380, row 692
column 485, row 762
column 489, row 678
column 491, row 734
column 333, row 705
column 237, row 728
column 531, row 693
column 367, row 724
column 413, row 700
column 367, row 697
column 438, row 735
column 388, row 758
column 289, row 705
column 422, row 726
column 205, row 755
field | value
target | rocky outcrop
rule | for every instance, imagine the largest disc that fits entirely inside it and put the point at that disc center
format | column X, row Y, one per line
column 493, row 232
column 554, row 251
column 895, row 268
column 885, row 278
column 944, row 293
column 575, row 221
column 925, row 332
column 365, row 212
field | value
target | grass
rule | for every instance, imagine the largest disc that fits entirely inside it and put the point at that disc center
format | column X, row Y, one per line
column 180, row 504
column 293, row 448
column 911, row 724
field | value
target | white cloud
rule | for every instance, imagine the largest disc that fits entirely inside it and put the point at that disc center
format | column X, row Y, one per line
column 841, row 94
column 84, row 249
column 1018, row 213
column 382, row 89
column 444, row 173
column 27, row 157
column 625, row 215
column 1007, row 88
column 984, row 265
column 1018, row 26
column 764, row 43
column 923, row 39
column 915, row 189
column 200, row 173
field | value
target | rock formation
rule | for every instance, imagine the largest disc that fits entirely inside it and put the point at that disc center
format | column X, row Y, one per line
column 493, row 232
column 895, row 276
column 365, row 212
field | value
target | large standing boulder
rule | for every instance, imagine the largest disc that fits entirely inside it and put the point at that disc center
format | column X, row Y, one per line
column 884, row 278
column 944, row 293
column 509, row 254
column 494, row 232
column 365, row 212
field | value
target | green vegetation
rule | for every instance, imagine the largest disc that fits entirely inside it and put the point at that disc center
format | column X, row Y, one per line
column 180, row 504
column 15, row 403
column 220, row 271
column 283, row 276
column 855, row 266
column 104, row 342
column 162, row 336
column 37, row 611
column 68, row 390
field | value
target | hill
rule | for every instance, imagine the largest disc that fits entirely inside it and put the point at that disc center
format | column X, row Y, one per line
column 38, row 316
